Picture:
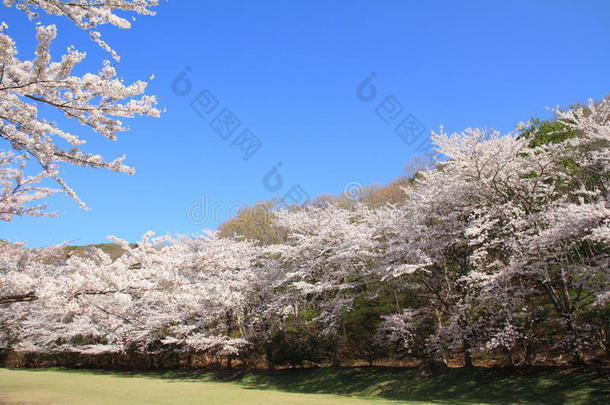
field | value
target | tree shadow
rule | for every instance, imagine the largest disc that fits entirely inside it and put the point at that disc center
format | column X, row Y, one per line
column 551, row 385
column 502, row 386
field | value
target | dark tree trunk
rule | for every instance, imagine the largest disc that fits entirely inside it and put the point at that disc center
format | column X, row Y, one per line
column 467, row 355
column 269, row 356
column 576, row 352
column 336, row 360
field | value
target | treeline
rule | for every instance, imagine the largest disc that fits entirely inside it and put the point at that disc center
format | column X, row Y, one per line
column 494, row 251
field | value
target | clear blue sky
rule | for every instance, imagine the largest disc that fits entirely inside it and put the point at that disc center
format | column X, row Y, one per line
column 289, row 72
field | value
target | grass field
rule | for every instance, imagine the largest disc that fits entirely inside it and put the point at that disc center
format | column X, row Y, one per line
column 312, row 386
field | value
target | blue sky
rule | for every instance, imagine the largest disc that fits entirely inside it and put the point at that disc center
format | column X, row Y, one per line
column 288, row 71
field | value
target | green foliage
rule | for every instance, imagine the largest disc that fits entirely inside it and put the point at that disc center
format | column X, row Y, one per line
column 547, row 132
column 81, row 340
column 300, row 342
column 112, row 249
column 544, row 132
column 298, row 347
column 598, row 318
column 361, row 323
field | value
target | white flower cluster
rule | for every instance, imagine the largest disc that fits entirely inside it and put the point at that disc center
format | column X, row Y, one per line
column 29, row 88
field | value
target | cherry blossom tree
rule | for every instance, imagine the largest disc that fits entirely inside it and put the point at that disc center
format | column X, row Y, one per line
column 563, row 244
column 18, row 190
column 328, row 254
column 188, row 294
column 98, row 101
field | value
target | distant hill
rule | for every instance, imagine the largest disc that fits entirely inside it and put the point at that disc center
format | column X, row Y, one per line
column 114, row 250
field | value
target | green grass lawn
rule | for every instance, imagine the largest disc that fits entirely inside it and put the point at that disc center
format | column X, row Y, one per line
column 368, row 385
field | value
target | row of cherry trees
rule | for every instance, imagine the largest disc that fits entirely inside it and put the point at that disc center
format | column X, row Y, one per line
column 501, row 248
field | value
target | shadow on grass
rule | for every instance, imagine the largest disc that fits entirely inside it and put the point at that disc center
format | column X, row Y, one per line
column 551, row 385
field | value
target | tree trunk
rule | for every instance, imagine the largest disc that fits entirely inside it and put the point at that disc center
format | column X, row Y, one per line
column 467, row 354
column 336, row 360
column 229, row 316
column 576, row 352
column 269, row 356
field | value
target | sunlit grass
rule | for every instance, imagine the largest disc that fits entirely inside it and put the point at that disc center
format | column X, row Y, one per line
column 311, row 386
